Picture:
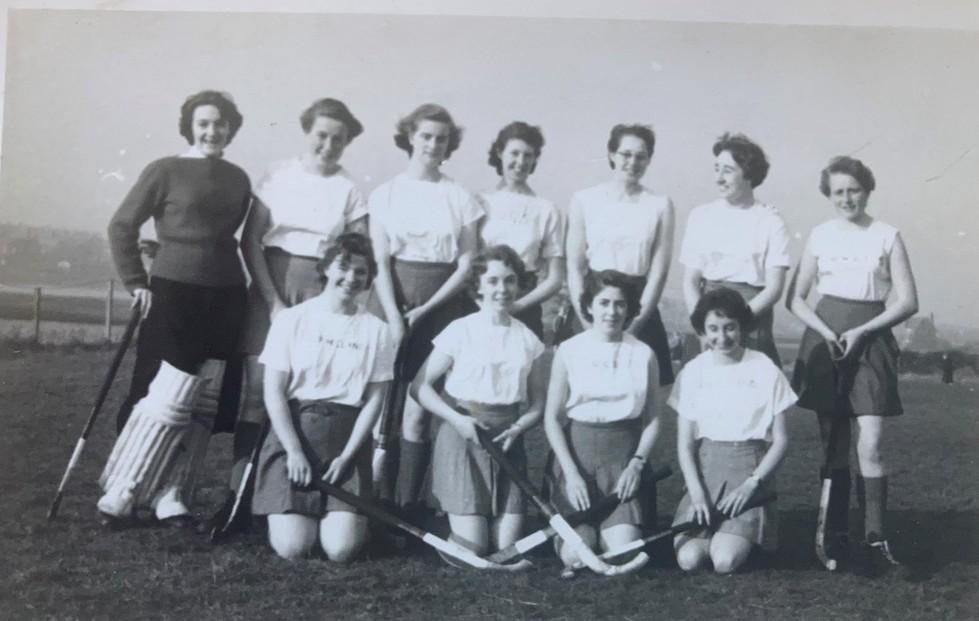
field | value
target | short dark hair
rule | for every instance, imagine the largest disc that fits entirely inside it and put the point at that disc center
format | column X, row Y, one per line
column 596, row 281
column 427, row 112
column 331, row 109
column 748, row 155
column 344, row 246
column 518, row 130
column 725, row 302
column 642, row 132
column 222, row 101
column 846, row 165
column 505, row 255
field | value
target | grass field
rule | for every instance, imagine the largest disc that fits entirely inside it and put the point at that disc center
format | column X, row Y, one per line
column 70, row 569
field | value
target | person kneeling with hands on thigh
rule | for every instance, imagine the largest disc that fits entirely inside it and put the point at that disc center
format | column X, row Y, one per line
column 604, row 378
column 731, row 433
column 491, row 363
column 327, row 365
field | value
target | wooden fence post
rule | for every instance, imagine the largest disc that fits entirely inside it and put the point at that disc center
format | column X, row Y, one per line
column 37, row 314
column 108, row 310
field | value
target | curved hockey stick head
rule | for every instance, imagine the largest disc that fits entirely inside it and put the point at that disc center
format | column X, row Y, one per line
column 588, row 557
column 477, row 562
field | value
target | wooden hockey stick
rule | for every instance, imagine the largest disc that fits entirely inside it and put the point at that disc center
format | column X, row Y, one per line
column 556, row 520
column 228, row 518
column 387, row 435
column 757, row 500
column 450, row 548
column 127, row 337
column 841, row 391
column 601, row 507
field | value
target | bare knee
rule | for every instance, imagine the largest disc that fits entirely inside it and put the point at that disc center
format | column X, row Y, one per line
column 343, row 535
column 726, row 562
column 290, row 546
column 343, row 553
column 729, row 552
column 292, row 536
column 869, row 452
column 692, row 555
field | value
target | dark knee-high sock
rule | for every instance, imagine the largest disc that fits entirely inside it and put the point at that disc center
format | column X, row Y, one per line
column 874, row 493
column 838, row 516
column 411, row 471
column 649, row 504
column 246, row 436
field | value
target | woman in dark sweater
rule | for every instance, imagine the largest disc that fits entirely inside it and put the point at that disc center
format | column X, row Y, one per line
column 192, row 309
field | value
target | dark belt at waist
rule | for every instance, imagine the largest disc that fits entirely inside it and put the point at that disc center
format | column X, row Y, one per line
column 321, row 406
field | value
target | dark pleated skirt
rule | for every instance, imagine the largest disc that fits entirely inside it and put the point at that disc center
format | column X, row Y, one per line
column 323, row 429
column 865, row 383
column 601, row 453
column 465, row 478
column 732, row 463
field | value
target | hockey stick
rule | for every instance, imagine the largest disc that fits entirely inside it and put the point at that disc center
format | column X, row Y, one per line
column 556, row 520
column 394, row 405
column 444, row 546
column 127, row 337
column 821, row 552
column 226, row 520
column 840, row 395
column 757, row 500
column 599, row 508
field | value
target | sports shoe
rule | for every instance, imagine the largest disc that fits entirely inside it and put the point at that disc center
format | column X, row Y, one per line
column 874, row 560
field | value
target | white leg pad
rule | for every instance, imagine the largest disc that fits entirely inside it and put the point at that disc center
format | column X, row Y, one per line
column 177, row 492
column 147, row 443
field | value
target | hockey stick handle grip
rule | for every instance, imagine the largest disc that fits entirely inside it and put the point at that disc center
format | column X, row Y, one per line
column 127, row 337
column 397, row 394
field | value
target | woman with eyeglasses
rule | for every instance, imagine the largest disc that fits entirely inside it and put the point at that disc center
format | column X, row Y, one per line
column 622, row 225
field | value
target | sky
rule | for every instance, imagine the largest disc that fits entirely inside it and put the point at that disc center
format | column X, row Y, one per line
column 91, row 97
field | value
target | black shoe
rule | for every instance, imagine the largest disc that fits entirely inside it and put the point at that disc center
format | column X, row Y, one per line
column 875, row 560
column 179, row 522
column 114, row 523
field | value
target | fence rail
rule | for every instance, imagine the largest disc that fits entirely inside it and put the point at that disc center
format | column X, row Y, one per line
column 41, row 304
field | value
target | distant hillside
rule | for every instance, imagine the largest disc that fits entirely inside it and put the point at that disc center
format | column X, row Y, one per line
column 32, row 255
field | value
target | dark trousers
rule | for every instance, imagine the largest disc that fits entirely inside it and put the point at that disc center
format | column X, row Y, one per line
column 188, row 324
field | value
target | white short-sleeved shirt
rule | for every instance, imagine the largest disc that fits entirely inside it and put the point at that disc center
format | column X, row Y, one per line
column 853, row 262
column 735, row 244
column 328, row 355
column 607, row 381
column 490, row 363
column 619, row 230
column 731, row 402
column 307, row 211
column 423, row 220
column 530, row 225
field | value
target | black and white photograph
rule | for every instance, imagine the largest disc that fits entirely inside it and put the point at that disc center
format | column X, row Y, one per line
column 471, row 310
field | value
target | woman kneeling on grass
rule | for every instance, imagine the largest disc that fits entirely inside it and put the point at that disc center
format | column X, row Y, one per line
column 604, row 378
column 326, row 368
column 493, row 379
column 729, row 399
